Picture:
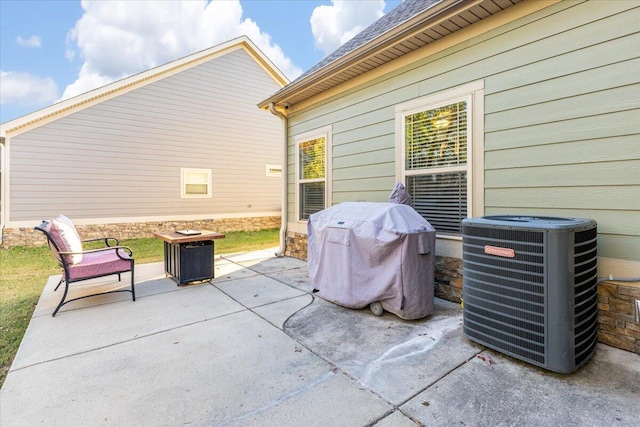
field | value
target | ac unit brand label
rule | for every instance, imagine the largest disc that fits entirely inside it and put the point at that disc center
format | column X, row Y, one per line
column 497, row 250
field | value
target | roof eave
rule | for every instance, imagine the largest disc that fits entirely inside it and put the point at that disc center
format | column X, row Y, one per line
column 399, row 32
column 120, row 86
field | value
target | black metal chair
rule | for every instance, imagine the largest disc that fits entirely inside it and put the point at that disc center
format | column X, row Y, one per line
column 81, row 265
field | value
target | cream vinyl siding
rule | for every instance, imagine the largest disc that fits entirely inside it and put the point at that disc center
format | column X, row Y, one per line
column 561, row 128
column 123, row 157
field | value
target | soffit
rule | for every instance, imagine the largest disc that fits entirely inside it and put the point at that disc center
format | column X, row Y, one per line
column 421, row 30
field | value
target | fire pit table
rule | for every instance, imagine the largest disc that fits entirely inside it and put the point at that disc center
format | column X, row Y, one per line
column 189, row 254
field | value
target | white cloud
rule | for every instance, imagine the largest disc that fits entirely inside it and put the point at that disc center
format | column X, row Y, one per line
column 86, row 81
column 335, row 24
column 33, row 41
column 120, row 38
column 26, row 90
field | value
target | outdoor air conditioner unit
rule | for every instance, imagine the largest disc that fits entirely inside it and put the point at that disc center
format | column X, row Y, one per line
column 530, row 288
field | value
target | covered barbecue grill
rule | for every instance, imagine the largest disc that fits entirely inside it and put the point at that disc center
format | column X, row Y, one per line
column 362, row 253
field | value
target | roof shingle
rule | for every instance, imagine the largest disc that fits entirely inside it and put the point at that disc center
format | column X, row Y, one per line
column 401, row 13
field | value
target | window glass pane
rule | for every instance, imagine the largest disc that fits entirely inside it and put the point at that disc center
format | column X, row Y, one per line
column 441, row 199
column 311, row 199
column 312, row 159
column 195, row 188
column 196, row 177
column 436, row 137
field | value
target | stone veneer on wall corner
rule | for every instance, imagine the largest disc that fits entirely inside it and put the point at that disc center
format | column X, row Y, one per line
column 296, row 245
column 616, row 315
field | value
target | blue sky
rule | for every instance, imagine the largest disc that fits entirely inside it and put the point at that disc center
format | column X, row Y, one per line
column 52, row 50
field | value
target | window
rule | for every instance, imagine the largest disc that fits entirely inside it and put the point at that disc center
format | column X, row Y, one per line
column 195, row 183
column 436, row 166
column 311, row 173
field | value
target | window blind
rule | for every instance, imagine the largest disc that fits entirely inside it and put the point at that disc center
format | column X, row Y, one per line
column 437, row 137
column 311, row 199
column 441, row 199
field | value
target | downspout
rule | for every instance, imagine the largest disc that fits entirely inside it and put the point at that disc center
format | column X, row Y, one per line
column 3, row 179
column 285, row 156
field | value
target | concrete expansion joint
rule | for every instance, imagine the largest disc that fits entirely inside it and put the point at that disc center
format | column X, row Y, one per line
column 278, row 401
column 137, row 337
column 393, row 410
column 335, row 369
column 437, row 380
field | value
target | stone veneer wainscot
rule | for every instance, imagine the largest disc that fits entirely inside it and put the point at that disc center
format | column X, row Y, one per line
column 24, row 236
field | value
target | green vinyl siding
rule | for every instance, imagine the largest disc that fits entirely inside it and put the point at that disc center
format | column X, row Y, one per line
column 565, row 87
column 611, row 149
column 623, row 124
column 348, row 149
column 561, row 128
column 569, row 175
column 374, row 157
column 555, row 110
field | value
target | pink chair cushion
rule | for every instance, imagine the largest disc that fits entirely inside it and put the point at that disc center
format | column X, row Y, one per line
column 48, row 228
column 64, row 233
column 100, row 263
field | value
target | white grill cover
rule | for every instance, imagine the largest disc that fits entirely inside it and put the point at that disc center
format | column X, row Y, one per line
column 360, row 253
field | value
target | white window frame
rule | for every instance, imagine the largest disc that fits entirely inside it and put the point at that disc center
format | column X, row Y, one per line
column 325, row 133
column 184, row 181
column 473, row 94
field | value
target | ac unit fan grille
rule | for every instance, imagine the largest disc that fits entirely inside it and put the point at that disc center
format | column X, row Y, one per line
column 505, row 296
column 586, row 294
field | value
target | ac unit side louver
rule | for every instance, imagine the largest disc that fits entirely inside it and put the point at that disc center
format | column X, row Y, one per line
column 530, row 288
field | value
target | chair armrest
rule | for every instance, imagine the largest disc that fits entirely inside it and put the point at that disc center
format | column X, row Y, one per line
column 110, row 248
column 105, row 239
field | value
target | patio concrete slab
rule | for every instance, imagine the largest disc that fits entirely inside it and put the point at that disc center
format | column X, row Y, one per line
column 503, row 391
column 395, row 358
column 97, row 324
column 396, row 419
column 149, row 280
column 235, row 370
column 278, row 313
column 257, row 290
column 241, row 257
column 255, row 348
column 264, row 262
column 50, row 297
column 225, row 270
column 296, row 278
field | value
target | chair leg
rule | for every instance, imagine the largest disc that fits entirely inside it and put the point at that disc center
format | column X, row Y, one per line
column 64, row 295
column 59, row 283
column 133, row 289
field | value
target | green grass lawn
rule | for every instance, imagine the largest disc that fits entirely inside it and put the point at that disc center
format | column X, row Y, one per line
column 24, row 273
